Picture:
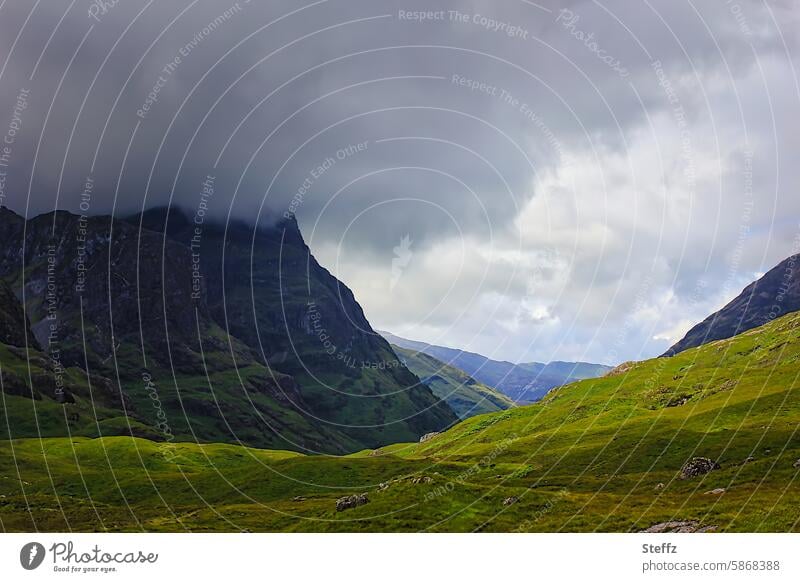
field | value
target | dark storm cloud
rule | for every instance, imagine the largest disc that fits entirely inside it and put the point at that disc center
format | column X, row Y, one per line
column 568, row 157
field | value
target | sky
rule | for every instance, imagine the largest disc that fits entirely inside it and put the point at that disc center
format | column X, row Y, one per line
column 533, row 181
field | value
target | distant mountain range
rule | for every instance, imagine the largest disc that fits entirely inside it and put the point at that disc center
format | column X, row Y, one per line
column 770, row 297
column 465, row 395
column 522, row 383
column 195, row 331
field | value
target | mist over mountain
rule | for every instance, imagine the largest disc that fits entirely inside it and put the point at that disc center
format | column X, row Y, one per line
column 237, row 333
column 571, row 195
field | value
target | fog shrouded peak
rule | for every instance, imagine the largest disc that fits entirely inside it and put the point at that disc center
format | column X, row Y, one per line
column 533, row 181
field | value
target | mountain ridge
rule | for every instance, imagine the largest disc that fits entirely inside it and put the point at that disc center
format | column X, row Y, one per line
column 119, row 299
column 465, row 395
column 523, row 383
column 774, row 294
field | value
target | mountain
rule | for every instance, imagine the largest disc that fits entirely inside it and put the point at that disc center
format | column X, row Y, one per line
column 522, row 383
column 776, row 293
column 43, row 397
column 465, row 395
column 14, row 327
column 226, row 334
column 606, row 454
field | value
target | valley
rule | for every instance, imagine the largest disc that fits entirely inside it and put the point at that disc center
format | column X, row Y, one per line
column 268, row 402
column 601, row 454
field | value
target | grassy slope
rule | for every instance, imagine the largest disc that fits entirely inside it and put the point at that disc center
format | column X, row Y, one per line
column 465, row 395
column 194, row 407
column 589, row 457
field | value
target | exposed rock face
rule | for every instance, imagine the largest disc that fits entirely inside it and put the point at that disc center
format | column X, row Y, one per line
column 796, row 464
column 679, row 527
column 105, row 282
column 14, row 327
column 773, row 295
column 264, row 287
column 510, row 501
column 426, row 437
column 698, row 466
column 345, row 503
column 621, row 369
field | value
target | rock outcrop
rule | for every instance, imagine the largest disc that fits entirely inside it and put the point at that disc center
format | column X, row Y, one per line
column 351, row 501
column 679, row 527
column 698, row 466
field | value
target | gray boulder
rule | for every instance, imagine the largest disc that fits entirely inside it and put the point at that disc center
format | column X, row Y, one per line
column 351, row 501
column 679, row 527
column 698, row 466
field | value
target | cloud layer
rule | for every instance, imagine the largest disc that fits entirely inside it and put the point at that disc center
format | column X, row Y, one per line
column 535, row 181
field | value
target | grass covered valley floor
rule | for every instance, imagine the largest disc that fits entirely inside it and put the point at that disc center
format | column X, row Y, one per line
column 597, row 455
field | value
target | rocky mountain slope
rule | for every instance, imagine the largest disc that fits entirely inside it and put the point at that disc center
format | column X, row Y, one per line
column 465, row 395
column 523, row 383
column 237, row 334
column 14, row 326
column 773, row 295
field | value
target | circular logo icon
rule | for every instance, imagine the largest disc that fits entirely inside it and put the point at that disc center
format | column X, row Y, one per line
column 31, row 555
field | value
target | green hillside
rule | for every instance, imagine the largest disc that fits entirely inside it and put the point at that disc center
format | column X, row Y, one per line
column 599, row 455
column 465, row 395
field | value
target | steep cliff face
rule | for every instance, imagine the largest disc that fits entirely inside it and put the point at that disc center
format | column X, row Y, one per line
column 14, row 326
column 236, row 334
column 264, row 287
column 102, row 282
column 775, row 294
